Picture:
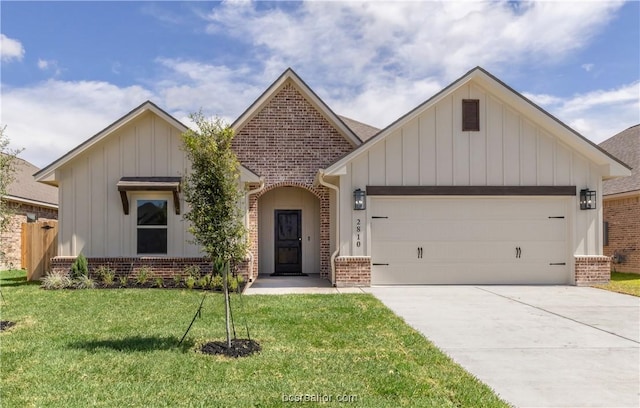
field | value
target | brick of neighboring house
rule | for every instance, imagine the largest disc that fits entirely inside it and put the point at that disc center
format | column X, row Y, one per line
column 623, row 218
column 286, row 143
column 11, row 240
column 590, row 270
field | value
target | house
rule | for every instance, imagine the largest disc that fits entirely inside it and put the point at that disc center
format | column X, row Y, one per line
column 621, row 204
column 475, row 185
column 28, row 201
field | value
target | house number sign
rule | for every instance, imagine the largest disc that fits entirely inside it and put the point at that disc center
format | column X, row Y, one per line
column 358, row 231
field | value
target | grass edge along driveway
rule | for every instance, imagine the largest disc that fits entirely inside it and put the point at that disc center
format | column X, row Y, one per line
column 627, row 283
column 74, row 348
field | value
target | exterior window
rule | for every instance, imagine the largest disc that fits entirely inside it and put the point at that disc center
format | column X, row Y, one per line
column 470, row 115
column 152, row 227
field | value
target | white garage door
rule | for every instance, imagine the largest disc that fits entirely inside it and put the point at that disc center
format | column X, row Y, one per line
column 438, row 240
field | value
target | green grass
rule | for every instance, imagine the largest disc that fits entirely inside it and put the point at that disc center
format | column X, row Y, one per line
column 628, row 283
column 118, row 347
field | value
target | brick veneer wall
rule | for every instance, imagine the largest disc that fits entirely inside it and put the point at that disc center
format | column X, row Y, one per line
column 623, row 216
column 286, row 142
column 592, row 269
column 159, row 267
column 11, row 240
column 353, row 271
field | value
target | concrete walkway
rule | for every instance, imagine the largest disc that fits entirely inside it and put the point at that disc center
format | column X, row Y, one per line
column 536, row 346
column 285, row 285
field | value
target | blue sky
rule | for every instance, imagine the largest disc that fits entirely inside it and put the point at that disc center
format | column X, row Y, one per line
column 69, row 69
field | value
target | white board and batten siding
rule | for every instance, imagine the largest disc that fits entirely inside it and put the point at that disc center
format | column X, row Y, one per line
column 430, row 149
column 92, row 220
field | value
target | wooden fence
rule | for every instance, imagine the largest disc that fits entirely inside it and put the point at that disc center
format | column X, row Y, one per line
column 39, row 245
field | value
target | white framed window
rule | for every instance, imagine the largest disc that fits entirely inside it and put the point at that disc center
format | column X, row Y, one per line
column 152, row 225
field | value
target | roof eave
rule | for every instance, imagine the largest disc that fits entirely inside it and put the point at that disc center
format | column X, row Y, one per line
column 47, row 174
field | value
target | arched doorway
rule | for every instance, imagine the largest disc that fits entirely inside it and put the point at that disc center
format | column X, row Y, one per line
column 288, row 231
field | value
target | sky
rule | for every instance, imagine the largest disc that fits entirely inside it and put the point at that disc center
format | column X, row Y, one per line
column 69, row 69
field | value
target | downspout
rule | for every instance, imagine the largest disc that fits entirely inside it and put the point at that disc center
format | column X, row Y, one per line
column 246, row 219
column 335, row 253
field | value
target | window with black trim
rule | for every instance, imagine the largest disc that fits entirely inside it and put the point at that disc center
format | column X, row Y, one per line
column 152, row 227
column 470, row 115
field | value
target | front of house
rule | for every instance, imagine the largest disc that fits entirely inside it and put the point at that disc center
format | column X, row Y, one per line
column 475, row 185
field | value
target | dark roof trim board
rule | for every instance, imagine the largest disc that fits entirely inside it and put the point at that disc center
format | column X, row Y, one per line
column 471, row 190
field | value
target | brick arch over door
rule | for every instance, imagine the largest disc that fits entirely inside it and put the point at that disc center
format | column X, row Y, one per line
column 269, row 198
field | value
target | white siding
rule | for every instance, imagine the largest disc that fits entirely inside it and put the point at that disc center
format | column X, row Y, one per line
column 510, row 149
column 91, row 219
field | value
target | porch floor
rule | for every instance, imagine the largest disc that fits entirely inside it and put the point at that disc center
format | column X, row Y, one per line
column 284, row 285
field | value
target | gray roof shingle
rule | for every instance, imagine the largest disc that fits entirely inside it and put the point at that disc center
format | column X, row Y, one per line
column 626, row 147
column 362, row 130
column 25, row 187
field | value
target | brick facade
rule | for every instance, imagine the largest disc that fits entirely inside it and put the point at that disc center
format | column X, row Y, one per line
column 11, row 240
column 285, row 143
column 592, row 269
column 353, row 271
column 623, row 218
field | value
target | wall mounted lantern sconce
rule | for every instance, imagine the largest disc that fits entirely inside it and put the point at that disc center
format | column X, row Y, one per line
column 587, row 199
column 359, row 202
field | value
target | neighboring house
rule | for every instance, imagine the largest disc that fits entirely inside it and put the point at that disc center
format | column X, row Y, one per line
column 621, row 202
column 28, row 201
column 475, row 185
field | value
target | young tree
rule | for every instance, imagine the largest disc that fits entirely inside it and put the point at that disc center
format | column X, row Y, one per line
column 213, row 192
column 7, row 170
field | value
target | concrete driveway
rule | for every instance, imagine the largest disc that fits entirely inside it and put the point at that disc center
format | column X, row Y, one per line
column 536, row 346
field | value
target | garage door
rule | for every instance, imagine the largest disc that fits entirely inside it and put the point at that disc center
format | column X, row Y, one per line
column 471, row 240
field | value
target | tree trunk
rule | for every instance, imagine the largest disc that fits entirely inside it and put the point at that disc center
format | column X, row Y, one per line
column 225, row 285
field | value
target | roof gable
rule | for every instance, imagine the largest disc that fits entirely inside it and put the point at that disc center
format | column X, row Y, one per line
column 611, row 165
column 290, row 76
column 47, row 174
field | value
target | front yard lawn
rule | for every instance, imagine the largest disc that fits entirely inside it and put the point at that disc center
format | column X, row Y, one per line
column 628, row 283
column 118, row 347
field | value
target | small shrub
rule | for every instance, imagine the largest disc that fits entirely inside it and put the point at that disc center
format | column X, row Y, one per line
column 204, row 281
column 233, row 285
column 219, row 266
column 105, row 274
column 216, row 282
column 176, row 280
column 142, row 276
column 190, row 282
column 240, row 279
column 194, row 271
column 84, row 282
column 79, row 267
column 123, row 280
column 159, row 283
column 57, row 280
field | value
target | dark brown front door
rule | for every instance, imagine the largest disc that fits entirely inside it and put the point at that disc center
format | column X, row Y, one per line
column 288, row 241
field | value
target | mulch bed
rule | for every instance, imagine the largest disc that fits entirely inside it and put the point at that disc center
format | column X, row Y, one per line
column 239, row 348
column 5, row 324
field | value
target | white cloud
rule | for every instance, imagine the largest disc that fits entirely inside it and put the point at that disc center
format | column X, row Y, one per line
column 10, row 49
column 598, row 114
column 52, row 117
column 587, row 67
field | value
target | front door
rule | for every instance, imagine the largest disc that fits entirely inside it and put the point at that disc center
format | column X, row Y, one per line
column 288, row 241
